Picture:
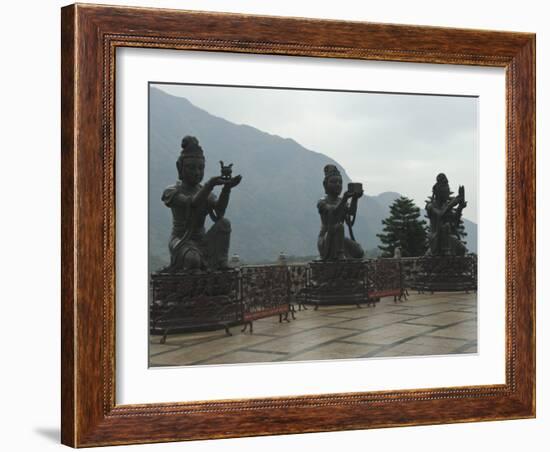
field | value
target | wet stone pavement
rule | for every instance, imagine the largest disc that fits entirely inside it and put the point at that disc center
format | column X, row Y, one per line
column 425, row 324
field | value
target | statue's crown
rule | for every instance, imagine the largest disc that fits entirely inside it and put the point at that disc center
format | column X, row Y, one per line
column 441, row 182
column 442, row 179
column 331, row 170
column 190, row 147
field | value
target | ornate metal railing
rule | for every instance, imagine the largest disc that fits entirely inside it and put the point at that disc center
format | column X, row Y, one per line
column 264, row 292
column 191, row 302
column 385, row 279
column 183, row 302
column 440, row 273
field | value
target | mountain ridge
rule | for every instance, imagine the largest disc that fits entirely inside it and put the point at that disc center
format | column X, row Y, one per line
column 273, row 210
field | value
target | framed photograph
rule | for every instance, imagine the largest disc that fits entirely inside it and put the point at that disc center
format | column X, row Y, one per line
column 282, row 225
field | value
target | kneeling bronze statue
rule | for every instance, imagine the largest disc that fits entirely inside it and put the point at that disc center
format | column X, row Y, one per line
column 191, row 246
column 335, row 211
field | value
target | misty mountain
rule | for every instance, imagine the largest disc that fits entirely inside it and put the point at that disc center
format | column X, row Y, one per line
column 274, row 208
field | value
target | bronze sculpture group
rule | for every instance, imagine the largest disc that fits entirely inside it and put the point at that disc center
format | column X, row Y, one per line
column 193, row 248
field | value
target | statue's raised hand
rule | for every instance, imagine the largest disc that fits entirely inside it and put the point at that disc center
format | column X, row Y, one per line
column 461, row 196
column 352, row 195
column 218, row 180
column 461, row 192
column 347, row 195
column 358, row 194
column 234, row 181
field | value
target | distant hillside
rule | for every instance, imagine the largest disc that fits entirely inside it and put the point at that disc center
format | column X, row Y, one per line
column 274, row 207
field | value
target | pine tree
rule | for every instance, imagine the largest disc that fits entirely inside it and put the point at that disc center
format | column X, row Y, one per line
column 461, row 231
column 403, row 229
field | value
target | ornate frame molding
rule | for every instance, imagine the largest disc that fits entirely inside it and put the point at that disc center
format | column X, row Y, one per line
column 90, row 36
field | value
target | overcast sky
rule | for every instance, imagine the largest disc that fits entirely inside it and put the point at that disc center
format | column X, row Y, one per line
column 389, row 142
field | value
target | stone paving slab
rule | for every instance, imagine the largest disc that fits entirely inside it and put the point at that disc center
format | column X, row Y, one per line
column 240, row 356
column 429, row 309
column 335, row 350
column 444, row 318
column 391, row 335
column 471, row 349
column 438, row 342
column 465, row 330
column 303, row 340
column 376, row 321
column 408, row 350
column 199, row 352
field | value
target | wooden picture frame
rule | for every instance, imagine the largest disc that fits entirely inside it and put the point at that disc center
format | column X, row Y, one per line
column 90, row 36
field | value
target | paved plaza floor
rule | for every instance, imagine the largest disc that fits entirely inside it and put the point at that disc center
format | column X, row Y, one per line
column 425, row 324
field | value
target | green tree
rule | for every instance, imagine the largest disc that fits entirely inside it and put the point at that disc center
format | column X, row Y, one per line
column 403, row 229
column 461, row 231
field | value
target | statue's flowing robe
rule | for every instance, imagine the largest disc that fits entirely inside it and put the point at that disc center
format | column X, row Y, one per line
column 443, row 237
column 188, row 232
column 331, row 242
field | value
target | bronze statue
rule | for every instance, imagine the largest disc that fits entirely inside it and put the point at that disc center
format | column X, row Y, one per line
column 335, row 211
column 191, row 247
column 445, row 213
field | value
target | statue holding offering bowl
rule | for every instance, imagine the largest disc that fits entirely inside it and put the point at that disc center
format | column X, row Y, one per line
column 337, row 211
column 191, row 246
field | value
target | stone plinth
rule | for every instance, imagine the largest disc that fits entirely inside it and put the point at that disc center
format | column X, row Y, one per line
column 336, row 283
column 184, row 302
column 445, row 274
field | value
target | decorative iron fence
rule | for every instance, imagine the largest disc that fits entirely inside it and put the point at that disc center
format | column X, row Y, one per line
column 191, row 302
column 265, row 291
column 385, row 279
column 441, row 273
column 183, row 302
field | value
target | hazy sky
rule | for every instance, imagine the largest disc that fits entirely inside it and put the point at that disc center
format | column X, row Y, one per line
column 389, row 142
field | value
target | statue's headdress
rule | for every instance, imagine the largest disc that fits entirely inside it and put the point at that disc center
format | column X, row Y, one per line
column 190, row 148
column 330, row 170
column 441, row 181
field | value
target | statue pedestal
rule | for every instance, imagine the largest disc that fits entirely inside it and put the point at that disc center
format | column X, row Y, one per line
column 445, row 274
column 186, row 302
column 336, row 283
